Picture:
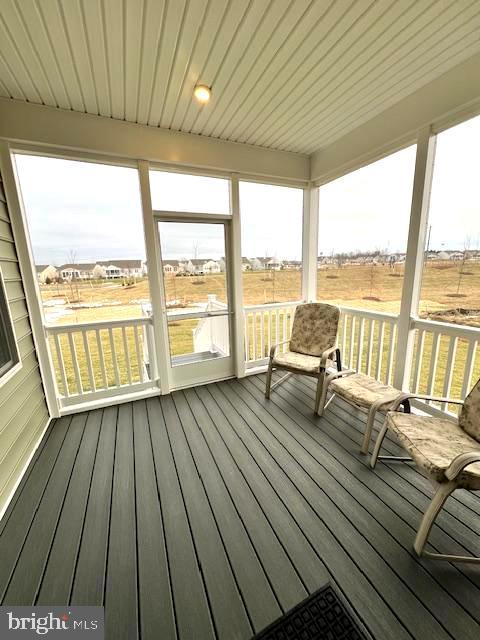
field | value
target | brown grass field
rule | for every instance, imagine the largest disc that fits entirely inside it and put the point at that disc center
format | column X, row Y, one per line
column 447, row 295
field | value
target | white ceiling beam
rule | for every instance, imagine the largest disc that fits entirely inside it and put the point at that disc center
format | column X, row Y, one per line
column 36, row 124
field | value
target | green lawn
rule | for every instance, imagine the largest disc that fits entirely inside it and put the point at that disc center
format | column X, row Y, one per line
column 446, row 295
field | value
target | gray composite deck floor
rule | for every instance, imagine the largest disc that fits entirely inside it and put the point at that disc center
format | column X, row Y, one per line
column 210, row 512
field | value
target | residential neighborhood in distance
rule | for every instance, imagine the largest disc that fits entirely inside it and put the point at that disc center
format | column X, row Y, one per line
column 118, row 269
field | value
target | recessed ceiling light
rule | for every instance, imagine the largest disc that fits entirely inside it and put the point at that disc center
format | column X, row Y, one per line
column 202, row 93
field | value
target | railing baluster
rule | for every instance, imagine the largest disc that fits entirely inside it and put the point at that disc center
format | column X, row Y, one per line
column 381, row 337
column 246, row 329
column 101, row 357
column 141, row 371
column 127, row 355
column 88, row 356
column 433, row 364
column 344, row 336
column 285, row 330
column 114, row 357
column 277, row 327
column 389, row 372
column 61, row 364
column 447, row 383
column 370, row 347
column 418, row 360
column 469, row 364
column 352, row 339
column 361, row 334
column 254, row 335
column 262, row 329
column 76, row 369
column 269, row 331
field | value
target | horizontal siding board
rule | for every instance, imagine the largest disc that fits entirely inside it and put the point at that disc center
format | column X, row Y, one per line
column 26, row 423
column 19, row 310
column 23, row 410
column 7, row 251
column 12, row 411
column 14, row 384
column 23, row 448
column 5, row 230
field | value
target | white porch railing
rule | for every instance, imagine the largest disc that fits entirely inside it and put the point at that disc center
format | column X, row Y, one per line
column 266, row 325
column 367, row 342
column 102, row 359
column 445, row 360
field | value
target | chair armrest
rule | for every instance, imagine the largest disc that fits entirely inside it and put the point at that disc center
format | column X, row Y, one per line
column 273, row 348
column 459, row 463
column 325, row 355
column 416, row 396
column 340, row 374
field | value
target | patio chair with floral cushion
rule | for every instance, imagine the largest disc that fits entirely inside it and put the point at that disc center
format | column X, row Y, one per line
column 446, row 451
column 311, row 348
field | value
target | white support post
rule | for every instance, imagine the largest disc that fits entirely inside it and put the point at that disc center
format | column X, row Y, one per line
column 236, row 279
column 415, row 257
column 29, row 280
column 155, row 279
column 310, row 243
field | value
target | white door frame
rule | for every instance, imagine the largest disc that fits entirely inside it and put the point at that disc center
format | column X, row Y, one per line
column 191, row 374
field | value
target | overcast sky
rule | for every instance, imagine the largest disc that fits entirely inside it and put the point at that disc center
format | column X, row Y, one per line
column 93, row 211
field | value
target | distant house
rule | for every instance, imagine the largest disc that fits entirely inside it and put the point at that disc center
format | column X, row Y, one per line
column 274, row 264
column 200, row 266
column 257, row 264
column 80, row 271
column 211, row 266
column 246, row 264
column 46, row 272
column 292, row 265
column 172, row 267
column 123, row 268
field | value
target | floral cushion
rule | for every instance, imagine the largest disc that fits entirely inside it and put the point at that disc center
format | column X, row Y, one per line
column 433, row 443
column 363, row 391
column 469, row 418
column 314, row 328
column 300, row 361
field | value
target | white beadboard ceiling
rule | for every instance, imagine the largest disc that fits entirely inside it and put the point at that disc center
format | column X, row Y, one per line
column 285, row 74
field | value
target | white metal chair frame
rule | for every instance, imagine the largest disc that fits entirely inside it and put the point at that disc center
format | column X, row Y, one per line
column 319, row 375
column 444, row 489
column 371, row 413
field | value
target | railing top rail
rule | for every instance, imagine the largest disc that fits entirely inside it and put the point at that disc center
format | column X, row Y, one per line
column 272, row 305
column 447, row 328
column 376, row 315
column 91, row 326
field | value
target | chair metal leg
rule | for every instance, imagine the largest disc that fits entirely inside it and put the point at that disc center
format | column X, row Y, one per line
column 429, row 517
column 320, row 407
column 368, row 429
column 268, row 382
column 319, row 394
column 281, row 380
column 378, row 444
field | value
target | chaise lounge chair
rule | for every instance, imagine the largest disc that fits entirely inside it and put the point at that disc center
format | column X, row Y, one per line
column 447, row 452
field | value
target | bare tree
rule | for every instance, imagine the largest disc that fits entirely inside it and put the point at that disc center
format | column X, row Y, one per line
column 73, row 282
column 461, row 268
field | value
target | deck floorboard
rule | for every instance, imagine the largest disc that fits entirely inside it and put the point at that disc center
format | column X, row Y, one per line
column 208, row 513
